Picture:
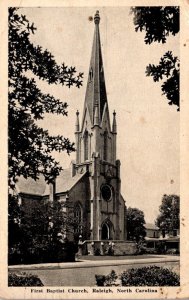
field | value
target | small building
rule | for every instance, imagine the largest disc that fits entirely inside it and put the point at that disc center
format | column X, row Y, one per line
column 152, row 231
column 155, row 238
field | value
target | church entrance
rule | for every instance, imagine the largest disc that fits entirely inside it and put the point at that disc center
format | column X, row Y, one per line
column 107, row 230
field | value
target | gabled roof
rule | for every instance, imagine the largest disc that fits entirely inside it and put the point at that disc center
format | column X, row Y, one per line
column 64, row 182
column 151, row 226
column 30, row 186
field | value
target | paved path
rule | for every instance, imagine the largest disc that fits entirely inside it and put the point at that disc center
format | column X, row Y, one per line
column 82, row 273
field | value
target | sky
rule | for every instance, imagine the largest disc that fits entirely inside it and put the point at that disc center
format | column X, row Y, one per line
column 148, row 128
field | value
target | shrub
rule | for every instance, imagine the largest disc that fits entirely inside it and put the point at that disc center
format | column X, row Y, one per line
column 172, row 251
column 151, row 251
column 149, row 276
column 161, row 247
column 97, row 252
column 141, row 248
column 110, row 251
column 100, row 280
column 23, row 279
column 109, row 280
column 146, row 276
column 14, row 256
column 42, row 253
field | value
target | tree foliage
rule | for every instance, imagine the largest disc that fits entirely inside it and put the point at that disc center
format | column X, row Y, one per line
column 168, row 70
column 42, row 220
column 34, row 228
column 169, row 217
column 159, row 23
column 135, row 224
column 30, row 146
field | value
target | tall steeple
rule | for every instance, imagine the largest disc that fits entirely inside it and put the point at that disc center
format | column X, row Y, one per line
column 100, row 187
column 95, row 137
column 96, row 98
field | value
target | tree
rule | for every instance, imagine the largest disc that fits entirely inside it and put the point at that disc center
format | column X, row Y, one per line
column 135, row 224
column 30, row 146
column 14, row 219
column 44, row 219
column 33, row 232
column 168, row 68
column 158, row 23
column 169, row 217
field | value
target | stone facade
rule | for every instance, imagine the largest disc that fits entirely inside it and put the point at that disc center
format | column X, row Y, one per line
column 114, row 248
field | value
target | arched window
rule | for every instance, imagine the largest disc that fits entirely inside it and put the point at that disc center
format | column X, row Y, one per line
column 86, row 145
column 78, row 218
column 105, row 145
column 78, row 213
column 91, row 74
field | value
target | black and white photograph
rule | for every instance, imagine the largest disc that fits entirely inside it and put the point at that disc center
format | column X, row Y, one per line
column 93, row 151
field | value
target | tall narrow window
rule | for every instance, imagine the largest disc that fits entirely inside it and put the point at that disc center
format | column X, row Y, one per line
column 86, row 145
column 91, row 74
column 105, row 145
column 78, row 218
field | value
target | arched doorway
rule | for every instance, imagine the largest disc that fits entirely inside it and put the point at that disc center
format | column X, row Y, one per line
column 107, row 230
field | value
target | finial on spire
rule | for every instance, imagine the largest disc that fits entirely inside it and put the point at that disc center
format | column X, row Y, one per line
column 77, row 121
column 97, row 17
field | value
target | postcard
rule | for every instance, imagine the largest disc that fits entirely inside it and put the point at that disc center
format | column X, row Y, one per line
column 94, row 148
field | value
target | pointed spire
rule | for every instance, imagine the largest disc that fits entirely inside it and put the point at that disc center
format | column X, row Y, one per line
column 114, row 123
column 77, row 127
column 96, row 89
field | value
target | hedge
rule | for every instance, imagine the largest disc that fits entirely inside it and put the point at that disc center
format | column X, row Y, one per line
column 150, row 276
column 24, row 279
column 146, row 276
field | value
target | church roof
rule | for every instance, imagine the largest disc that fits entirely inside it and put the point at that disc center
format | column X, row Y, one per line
column 96, row 97
column 64, row 182
column 30, row 186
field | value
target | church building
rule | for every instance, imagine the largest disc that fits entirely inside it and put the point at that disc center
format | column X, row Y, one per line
column 92, row 184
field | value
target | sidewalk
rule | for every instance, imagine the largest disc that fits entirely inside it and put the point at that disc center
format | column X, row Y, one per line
column 82, row 273
column 92, row 263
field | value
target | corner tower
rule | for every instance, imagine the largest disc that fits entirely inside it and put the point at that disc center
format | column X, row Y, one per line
column 96, row 153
